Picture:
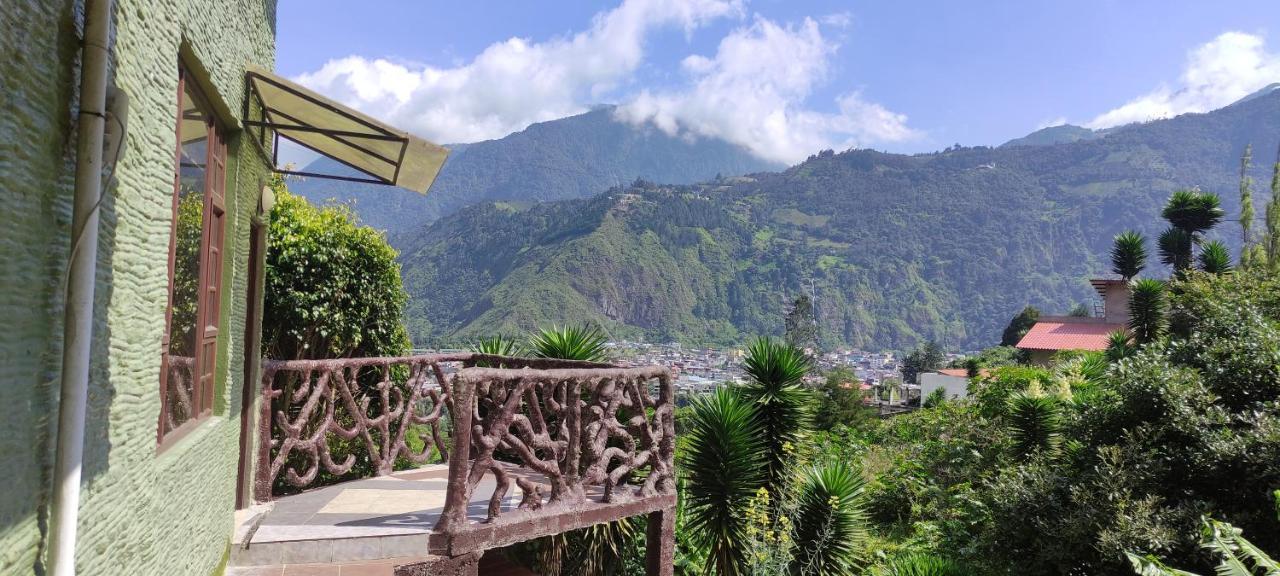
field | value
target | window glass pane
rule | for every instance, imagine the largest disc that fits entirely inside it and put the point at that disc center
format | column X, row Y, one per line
column 193, row 133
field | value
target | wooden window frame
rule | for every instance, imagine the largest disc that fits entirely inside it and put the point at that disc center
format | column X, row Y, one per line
column 209, row 284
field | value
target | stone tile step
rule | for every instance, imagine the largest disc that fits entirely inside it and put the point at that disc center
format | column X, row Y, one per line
column 490, row 565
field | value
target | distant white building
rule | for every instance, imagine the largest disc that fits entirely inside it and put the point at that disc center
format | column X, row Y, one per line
column 954, row 381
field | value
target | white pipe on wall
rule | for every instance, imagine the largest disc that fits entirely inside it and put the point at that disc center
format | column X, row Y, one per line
column 77, row 332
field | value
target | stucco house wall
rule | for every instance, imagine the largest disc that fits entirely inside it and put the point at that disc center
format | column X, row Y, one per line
column 142, row 511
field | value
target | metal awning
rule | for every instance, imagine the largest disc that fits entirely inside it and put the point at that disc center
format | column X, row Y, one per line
column 384, row 154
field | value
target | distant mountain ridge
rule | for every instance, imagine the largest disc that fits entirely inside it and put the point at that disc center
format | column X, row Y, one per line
column 1061, row 134
column 899, row 248
column 571, row 157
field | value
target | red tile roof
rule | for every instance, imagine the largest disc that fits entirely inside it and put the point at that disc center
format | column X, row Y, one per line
column 961, row 372
column 1068, row 336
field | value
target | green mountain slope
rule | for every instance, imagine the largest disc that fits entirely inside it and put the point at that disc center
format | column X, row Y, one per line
column 899, row 248
column 571, row 157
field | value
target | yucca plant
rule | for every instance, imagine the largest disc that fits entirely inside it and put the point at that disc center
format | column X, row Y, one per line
column 1119, row 345
column 601, row 549
column 923, row 565
column 830, row 526
column 776, row 370
column 1148, row 307
column 1129, row 254
column 1214, row 257
column 1175, row 248
column 1193, row 211
column 722, row 470
column 1034, row 423
column 570, row 343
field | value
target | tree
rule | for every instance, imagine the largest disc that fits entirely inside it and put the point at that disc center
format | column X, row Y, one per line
column 721, row 471
column 1080, row 311
column 840, row 401
column 1214, row 257
column 1246, row 207
column 831, row 522
column 775, row 371
column 1273, row 218
column 927, row 358
column 1147, row 310
column 1129, row 254
column 333, row 287
column 802, row 324
column 1019, row 326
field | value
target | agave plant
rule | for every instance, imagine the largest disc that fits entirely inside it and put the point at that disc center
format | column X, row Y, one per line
column 569, row 343
column 1237, row 556
column 1129, row 254
column 1175, row 248
column 923, row 565
column 1193, row 211
column 1214, row 257
column 722, row 469
column 495, row 346
column 830, row 527
column 786, row 409
column 1034, row 423
column 1147, row 310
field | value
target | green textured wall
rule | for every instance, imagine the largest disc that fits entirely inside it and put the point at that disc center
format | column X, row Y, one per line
column 141, row 512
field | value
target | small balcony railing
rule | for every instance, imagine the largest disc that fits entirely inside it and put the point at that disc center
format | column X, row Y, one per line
column 583, row 442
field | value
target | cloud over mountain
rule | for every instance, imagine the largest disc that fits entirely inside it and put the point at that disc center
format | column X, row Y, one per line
column 1217, row 73
column 753, row 92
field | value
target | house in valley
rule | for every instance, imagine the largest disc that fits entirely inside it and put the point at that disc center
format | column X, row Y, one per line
column 1053, row 334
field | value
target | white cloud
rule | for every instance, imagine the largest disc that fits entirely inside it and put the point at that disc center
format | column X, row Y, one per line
column 1228, row 68
column 514, row 83
column 753, row 93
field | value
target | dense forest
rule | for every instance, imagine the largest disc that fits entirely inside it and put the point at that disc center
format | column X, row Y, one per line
column 899, row 249
column 571, row 157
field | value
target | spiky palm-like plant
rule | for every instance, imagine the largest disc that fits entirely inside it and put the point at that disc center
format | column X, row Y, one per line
column 1148, row 310
column 1119, row 345
column 1193, row 211
column 1034, row 423
column 786, row 409
column 722, row 470
column 1129, row 254
column 1214, row 257
column 569, row 343
column 1175, row 248
column 923, row 565
column 830, row 527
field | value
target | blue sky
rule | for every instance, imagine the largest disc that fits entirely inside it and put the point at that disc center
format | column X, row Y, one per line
column 783, row 79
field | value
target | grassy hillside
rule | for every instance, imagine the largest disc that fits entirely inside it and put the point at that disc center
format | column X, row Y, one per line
column 571, row 157
column 900, row 248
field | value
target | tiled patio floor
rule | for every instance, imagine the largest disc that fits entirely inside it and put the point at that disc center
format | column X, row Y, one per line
column 361, row 520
